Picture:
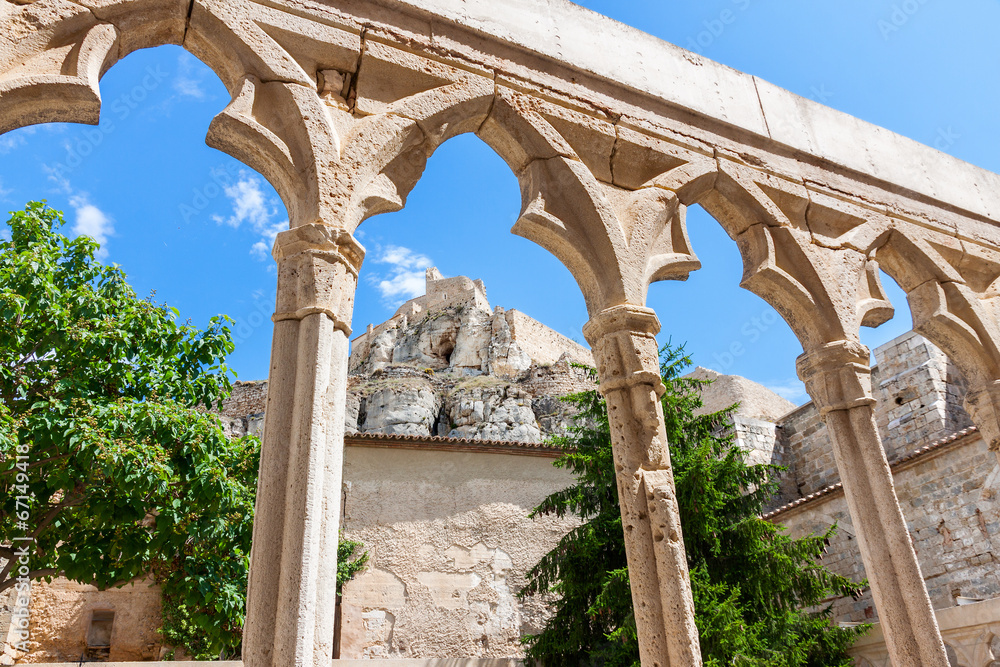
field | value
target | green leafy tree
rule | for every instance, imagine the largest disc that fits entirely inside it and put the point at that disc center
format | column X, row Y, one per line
column 752, row 584
column 112, row 466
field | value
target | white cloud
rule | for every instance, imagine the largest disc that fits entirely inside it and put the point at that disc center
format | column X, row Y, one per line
column 55, row 175
column 189, row 79
column 261, row 250
column 16, row 138
column 91, row 221
column 406, row 271
column 791, row 389
column 251, row 206
column 10, row 141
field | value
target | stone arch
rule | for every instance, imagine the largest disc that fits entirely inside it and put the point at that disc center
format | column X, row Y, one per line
column 560, row 210
column 824, row 293
column 952, row 288
column 52, row 73
column 952, row 295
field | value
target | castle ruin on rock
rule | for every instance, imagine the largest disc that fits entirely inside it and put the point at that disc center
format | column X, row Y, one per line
column 339, row 104
column 446, row 364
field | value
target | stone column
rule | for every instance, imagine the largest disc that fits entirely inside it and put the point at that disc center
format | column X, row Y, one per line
column 983, row 405
column 627, row 359
column 291, row 599
column 838, row 378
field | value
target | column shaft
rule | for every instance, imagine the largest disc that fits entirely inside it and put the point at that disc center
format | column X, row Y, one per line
column 628, row 365
column 837, row 377
column 291, row 599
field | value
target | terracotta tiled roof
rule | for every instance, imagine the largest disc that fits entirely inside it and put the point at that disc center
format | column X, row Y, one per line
column 895, row 463
column 435, row 442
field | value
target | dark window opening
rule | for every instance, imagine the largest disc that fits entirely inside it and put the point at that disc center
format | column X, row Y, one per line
column 99, row 635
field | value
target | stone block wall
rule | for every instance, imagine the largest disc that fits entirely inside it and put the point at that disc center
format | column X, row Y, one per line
column 919, row 393
column 804, row 437
column 247, row 398
column 765, row 444
column 948, row 496
column 542, row 344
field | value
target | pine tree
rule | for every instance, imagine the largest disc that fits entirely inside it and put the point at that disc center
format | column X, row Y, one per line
column 753, row 585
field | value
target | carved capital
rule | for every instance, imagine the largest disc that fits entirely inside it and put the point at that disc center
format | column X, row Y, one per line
column 837, row 376
column 983, row 405
column 317, row 273
column 624, row 344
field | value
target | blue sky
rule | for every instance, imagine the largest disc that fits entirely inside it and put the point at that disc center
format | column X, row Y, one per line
column 196, row 226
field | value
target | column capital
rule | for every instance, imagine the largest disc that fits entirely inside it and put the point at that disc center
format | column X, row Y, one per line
column 837, row 375
column 983, row 405
column 317, row 273
column 623, row 339
column 626, row 317
column 319, row 238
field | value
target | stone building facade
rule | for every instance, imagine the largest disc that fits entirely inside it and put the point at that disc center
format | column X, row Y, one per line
column 946, row 479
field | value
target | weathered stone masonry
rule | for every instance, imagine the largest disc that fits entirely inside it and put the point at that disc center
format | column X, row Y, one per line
column 946, row 479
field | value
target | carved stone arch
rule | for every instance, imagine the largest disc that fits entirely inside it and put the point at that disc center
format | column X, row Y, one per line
column 563, row 208
column 951, row 288
column 54, row 54
column 50, row 64
column 824, row 292
column 955, row 657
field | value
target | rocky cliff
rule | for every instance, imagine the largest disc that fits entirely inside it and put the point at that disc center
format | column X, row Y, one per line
column 446, row 364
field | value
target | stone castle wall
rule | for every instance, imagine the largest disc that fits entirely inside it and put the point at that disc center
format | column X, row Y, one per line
column 919, row 397
column 544, row 345
column 948, row 496
column 809, row 452
column 919, row 393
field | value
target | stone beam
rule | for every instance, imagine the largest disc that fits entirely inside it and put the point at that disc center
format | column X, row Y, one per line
column 559, row 36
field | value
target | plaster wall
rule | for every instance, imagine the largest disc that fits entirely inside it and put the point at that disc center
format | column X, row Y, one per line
column 450, row 541
column 60, row 616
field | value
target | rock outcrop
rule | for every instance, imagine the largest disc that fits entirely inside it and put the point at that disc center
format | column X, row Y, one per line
column 447, row 364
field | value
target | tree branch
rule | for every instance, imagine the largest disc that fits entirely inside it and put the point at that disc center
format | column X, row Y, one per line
column 33, row 574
